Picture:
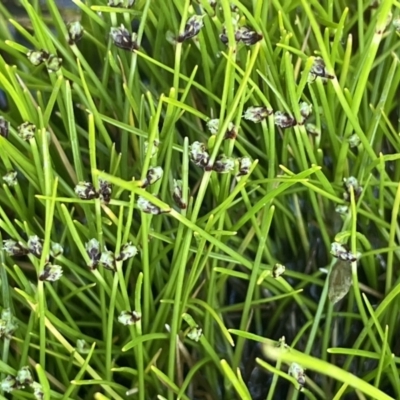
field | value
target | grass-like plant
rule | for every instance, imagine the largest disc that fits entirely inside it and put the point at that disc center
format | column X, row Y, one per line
column 200, row 199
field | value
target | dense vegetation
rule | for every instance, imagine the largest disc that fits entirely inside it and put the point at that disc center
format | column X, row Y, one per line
column 200, row 199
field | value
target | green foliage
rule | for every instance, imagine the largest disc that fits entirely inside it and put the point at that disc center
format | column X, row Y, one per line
column 179, row 179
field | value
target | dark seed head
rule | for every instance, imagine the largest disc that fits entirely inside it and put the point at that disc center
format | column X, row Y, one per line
column 247, row 36
column 85, row 190
column 192, row 28
column 199, row 154
column 4, row 127
column 129, row 317
column 105, row 190
column 284, row 120
column 123, row 39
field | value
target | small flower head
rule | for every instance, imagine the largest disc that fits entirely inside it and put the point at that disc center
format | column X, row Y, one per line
column 195, row 333
column 8, row 323
column 154, row 148
column 148, row 207
column 8, row 384
column 93, row 251
column 244, row 166
column 257, row 113
column 342, row 209
column 192, row 28
column 105, row 191
column 129, row 317
column 75, row 32
column 248, row 36
column 10, row 178
column 354, row 140
column 26, row 131
column 199, row 154
column 349, row 183
column 278, row 270
column 14, row 249
column 123, row 39
column 35, row 245
column 318, row 69
column 312, row 129
column 305, row 109
column 297, row 371
column 37, row 57
column 53, row 63
column 284, row 120
column 37, row 390
column 82, row 346
column 224, row 164
column 24, row 377
column 56, row 249
column 85, row 190
column 231, row 132
column 121, row 3
column 51, row 273
column 107, row 259
column 213, row 125
column 340, row 251
column 128, row 250
column 396, row 24
column 177, row 195
column 153, row 175
column 4, row 127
